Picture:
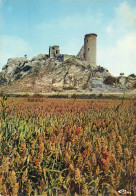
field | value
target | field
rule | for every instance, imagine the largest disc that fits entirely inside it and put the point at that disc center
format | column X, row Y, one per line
column 67, row 146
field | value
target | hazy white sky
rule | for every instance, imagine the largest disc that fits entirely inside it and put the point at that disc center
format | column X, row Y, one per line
column 31, row 26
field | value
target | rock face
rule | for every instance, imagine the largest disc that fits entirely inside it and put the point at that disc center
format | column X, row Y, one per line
column 20, row 66
column 12, row 65
column 128, row 82
column 63, row 73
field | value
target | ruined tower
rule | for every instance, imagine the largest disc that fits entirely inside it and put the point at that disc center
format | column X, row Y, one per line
column 90, row 48
column 54, row 51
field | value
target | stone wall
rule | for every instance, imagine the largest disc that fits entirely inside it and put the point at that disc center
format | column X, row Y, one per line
column 81, row 54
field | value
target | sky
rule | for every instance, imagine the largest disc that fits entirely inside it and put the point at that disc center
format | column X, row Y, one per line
column 31, row 26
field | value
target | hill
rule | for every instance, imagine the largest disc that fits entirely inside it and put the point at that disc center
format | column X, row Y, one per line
column 63, row 73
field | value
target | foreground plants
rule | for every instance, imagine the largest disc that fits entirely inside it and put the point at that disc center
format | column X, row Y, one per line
column 67, row 147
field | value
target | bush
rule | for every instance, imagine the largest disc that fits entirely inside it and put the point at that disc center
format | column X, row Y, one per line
column 89, row 67
column 100, row 96
column 17, row 70
column 110, row 80
column 132, row 75
column 18, row 76
column 101, row 69
column 27, row 68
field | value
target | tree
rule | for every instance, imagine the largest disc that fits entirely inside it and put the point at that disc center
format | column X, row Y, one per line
column 121, row 74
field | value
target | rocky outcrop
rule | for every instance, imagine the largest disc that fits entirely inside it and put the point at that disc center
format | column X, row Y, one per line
column 65, row 73
column 13, row 66
column 17, row 68
column 127, row 82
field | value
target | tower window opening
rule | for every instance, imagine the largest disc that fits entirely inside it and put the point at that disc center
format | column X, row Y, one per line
column 88, row 49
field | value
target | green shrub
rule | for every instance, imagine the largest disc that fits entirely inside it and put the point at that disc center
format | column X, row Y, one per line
column 89, row 66
column 100, row 96
column 101, row 69
column 110, row 80
column 18, row 76
column 132, row 75
column 27, row 68
column 17, row 70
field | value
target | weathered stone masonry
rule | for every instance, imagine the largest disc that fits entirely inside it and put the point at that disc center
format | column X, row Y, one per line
column 87, row 52
column 90, row 48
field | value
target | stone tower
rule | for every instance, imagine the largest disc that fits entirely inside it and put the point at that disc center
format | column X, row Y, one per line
column 54, row 51
column 90, row 48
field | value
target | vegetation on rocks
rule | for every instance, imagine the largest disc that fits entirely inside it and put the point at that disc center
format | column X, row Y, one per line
column 110, row 80
column 132, row 75
column 18, row 76
column 59, row 75
column 3, row 80
column 27, row 68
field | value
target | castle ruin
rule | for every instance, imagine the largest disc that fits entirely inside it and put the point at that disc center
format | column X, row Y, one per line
column 87, row 52
column 90, row 48
column 54, row 51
